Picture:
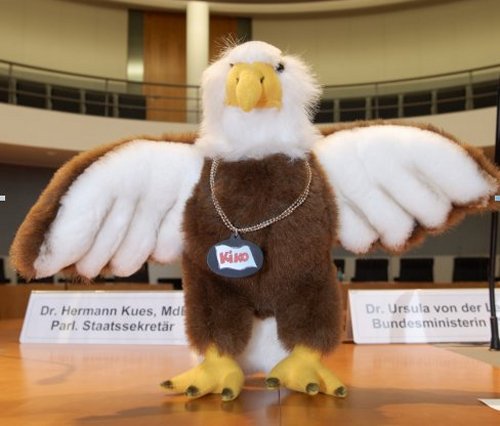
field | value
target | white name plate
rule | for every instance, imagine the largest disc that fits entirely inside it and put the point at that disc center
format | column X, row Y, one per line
column 420, row 316
column 146, row 317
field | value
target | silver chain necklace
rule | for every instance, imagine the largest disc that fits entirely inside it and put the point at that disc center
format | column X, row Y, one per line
column 285, row 213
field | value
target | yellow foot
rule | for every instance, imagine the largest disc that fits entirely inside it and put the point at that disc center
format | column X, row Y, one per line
column 216, row 374
column 303, row 371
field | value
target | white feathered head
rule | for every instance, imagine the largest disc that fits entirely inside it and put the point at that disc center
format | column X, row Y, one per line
column 257, row 102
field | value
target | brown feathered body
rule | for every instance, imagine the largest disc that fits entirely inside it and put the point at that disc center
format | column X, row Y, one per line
column 297, row 282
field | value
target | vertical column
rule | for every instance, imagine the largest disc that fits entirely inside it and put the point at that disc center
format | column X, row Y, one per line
column 197, row 37
column 135, row 62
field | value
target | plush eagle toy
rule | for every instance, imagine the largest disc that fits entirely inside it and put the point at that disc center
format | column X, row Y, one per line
column 254, row 207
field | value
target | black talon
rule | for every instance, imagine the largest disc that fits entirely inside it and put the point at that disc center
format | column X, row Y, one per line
column 227, row 394
column 272, row 383
column 192, row 391
column 341, row 392
column 167, row 384
column 312, row 388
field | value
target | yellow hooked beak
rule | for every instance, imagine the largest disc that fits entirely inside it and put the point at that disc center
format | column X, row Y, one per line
column 254, row 85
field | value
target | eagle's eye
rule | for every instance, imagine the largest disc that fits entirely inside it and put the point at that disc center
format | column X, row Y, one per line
column 280, row 67
column 231, row 65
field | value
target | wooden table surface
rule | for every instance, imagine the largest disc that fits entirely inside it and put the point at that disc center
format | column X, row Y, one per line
column 42, row 384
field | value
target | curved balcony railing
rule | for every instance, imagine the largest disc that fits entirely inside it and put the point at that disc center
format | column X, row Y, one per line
column 93, row 95
column 426, row 95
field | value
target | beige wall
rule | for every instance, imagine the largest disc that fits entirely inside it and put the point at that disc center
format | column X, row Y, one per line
column 352, row 48
column 60, row 130
column 382, row 46
column 65, row 36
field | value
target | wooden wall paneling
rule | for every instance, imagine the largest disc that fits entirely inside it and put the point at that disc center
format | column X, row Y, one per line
column 165, row 59
column 165, row 62
column 222, row 29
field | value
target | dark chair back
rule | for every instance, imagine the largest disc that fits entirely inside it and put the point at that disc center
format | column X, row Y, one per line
column 371, row 270
column 340, row 265
column 176, row 282
column 141, row 276
column 470, row 269
column 3, row 278
column 416, row 270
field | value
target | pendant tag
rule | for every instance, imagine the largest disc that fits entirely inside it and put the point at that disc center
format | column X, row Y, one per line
column 235, row 258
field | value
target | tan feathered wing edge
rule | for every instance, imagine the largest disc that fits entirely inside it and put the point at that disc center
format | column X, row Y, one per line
column 458, row 212
column 30, row 235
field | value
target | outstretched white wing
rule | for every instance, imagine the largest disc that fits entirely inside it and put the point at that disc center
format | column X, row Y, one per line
column 123, row 209
column 391, row 180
